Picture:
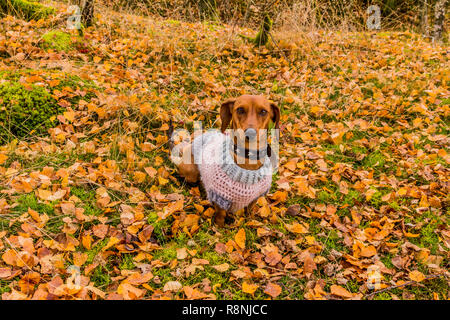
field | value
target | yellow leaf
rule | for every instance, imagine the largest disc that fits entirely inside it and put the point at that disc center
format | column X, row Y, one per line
column 240, row 238
column 139, row 176
column 279, row 196
column 44, row 194
column 145, row 108
column 249, row 288
column 416, row 276
column 424, row 201
column 112, row 241
column 3, row 158
column 151, row 171
column 297, row 228
column 264, row 211
column 69, row 115
column 162, row 181
column 402, row 191
column 86, row 241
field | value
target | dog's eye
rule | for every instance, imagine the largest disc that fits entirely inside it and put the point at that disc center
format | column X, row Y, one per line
column 240, row 110
column 263, row 113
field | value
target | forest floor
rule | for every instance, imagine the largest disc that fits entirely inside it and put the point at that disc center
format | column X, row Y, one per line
column 96, row 210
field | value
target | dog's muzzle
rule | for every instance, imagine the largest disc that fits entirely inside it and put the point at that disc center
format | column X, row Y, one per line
column 250, row 134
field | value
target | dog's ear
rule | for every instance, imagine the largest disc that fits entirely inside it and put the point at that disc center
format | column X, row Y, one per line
column 275, row 115
column 226, row 113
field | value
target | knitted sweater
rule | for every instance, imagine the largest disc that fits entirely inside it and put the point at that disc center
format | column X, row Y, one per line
column 228, row 185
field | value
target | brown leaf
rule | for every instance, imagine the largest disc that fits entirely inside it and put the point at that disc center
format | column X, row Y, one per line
column 173, row 286
column 273, row 290
column 222, row 267
column 340, row 292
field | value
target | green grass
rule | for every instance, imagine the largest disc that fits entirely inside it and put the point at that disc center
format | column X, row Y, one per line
column 29, row 201
column 428, row 237
column 57, row 40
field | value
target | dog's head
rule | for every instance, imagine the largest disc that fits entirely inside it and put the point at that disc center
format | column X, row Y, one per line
column 250, row 113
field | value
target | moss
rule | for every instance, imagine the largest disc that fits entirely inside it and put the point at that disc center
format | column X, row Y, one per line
column 375, row 201
column 428, row 237
column 30, row 201
column 352, row 197
column 174, row 22
column 95, row 250
column 382, row 296
column 374, row 160
column 100, row 277
column 127, row 262
column 57, row 40
column 26, row 110
column 4, row 287
column 214, row 259
column 161, row 227
column 26, row 9
column 262, row 37
column 168, row 253
column 26, row 201
column 164, row 276
column 387, row 261
column 332, row 241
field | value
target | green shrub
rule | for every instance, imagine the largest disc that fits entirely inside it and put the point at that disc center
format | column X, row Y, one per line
column 57, row 40
column 25, row 9
column 24, row 112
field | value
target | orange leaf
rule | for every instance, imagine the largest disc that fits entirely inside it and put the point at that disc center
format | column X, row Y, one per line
column 368, row 251
column 240, row 238
column 416, row 276
column 249, row 288
column 297, row 228
column 222, row 267
column 3, row 158
column 341, row 292
column 273, row 290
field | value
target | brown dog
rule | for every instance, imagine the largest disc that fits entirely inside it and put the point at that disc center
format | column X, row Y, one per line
column 250, row 114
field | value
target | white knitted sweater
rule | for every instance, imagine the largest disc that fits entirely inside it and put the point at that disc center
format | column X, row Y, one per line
column 228, row 185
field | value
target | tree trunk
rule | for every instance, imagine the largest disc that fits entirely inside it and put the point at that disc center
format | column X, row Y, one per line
column 439, row 17
column 87, row 14
column 425, row 29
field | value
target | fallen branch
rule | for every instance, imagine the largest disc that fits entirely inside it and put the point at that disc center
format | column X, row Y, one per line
column 433, row 276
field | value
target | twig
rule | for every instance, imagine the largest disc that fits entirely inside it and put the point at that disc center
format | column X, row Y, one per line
column 273, row 40
column 433, row 276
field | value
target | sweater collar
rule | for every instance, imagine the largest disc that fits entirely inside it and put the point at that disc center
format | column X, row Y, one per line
column 238, row 174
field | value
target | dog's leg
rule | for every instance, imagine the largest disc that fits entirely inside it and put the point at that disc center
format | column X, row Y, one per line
column 189, row 170
column 186, row 166
column 219, row 216
column 248, row 210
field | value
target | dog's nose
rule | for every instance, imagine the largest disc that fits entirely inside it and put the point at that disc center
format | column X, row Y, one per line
column 250, row 134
